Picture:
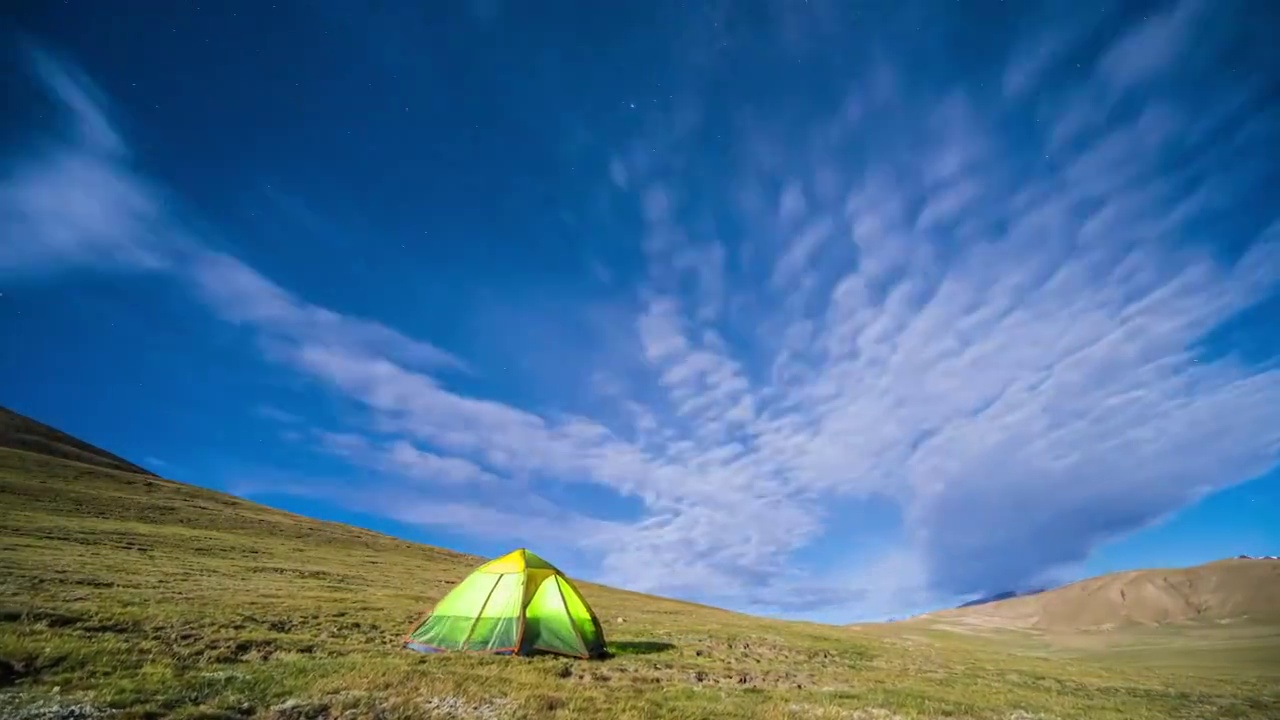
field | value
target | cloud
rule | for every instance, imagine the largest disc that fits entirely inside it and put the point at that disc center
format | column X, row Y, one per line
column 92, row 129
column 77, row 209
column 923, row 296
column 401, row 457
column 1153, row 45
column 1012, row 356
column 275, row 414
column 241, row 295
column 77, row 205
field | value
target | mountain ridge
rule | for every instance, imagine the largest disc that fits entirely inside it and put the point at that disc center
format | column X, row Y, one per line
column 1229, row 589
column 19, row 432
column 996, row 597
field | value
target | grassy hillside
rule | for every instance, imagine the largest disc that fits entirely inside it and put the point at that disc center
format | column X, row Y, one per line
column 130, row 596
column 1227, row 590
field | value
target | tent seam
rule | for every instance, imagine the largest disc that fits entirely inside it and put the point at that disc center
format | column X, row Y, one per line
column 524, row 606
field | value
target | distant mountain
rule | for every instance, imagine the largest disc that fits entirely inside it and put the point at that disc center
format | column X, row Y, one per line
column 19, row 432
column 990, row 598
column 1234, row 589
column 1006, row 595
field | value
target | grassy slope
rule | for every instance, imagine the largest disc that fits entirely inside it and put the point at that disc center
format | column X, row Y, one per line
column 159, row 599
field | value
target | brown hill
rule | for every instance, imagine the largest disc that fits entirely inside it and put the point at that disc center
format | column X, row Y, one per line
column 19, row 432
column 1235, row 589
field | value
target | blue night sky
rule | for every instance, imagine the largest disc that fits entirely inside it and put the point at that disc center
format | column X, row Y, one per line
column 830, row 310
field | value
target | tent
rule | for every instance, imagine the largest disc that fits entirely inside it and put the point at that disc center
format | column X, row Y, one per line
column 518, row 604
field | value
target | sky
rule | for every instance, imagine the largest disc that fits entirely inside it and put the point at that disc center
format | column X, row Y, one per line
column 823, row 310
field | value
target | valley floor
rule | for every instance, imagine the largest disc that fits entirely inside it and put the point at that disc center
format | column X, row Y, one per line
column 129, row 596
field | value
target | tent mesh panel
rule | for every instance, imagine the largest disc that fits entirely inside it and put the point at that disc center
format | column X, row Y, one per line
column 498, row 623
column 580, row 616
column 547, row 623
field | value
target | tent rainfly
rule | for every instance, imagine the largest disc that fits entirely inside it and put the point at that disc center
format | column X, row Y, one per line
column 518, row 604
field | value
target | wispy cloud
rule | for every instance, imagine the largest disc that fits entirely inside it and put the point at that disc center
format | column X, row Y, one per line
column 990, row 318
column 400, row 457
column 295, row 327
column 1153, row 46
column 275, row 414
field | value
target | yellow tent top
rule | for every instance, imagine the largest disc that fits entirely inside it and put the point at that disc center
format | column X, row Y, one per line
column 516, row 561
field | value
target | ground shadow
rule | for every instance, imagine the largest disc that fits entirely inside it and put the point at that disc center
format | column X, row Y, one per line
column 638, row 647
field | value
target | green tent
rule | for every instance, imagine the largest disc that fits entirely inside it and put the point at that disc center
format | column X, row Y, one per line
column 518, row 604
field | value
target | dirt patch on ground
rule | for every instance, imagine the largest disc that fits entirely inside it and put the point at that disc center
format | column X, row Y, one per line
column 23, row 706
column 351, row 705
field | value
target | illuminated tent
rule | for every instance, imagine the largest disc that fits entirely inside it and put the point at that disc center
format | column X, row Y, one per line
column 518, row 604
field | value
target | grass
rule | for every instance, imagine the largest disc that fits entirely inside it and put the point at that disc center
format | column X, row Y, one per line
column 136, row 597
